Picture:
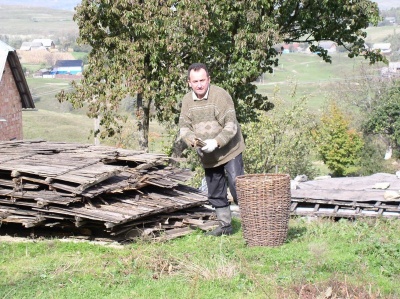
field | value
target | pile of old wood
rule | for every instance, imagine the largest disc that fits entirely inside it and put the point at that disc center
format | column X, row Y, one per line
column 377, row 195
column 96, row 191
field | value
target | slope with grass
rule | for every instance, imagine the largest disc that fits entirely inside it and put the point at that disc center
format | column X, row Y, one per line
column 36, row 22
column 321, row 259
column 309, row 76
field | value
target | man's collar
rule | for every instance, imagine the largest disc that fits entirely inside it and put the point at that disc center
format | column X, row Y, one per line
column 195, row 98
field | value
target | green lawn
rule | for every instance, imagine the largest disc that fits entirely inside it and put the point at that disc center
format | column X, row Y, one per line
column 54, row 126
column 44, row 91
column 352, row 259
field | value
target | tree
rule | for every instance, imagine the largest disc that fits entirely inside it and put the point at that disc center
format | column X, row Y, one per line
column 281, row 139
column 142, row 48
column 384, row 120
column 338, row 145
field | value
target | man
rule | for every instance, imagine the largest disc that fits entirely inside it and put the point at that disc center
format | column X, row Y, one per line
column 208, row 118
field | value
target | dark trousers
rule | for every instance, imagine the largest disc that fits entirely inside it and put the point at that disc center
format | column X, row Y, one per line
column 216, row 181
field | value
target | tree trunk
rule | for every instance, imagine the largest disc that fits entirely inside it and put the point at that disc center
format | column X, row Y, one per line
column 177, row 149
column 143, row 118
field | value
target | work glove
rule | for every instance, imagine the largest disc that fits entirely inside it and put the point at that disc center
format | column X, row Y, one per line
column 211, row 145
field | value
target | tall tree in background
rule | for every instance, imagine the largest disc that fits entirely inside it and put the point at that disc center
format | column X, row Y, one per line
column 143, row 48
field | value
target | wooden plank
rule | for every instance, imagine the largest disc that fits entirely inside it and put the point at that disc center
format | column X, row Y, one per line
column 340, row 195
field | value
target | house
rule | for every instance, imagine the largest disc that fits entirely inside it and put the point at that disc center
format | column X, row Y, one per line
column 26, row 46
column 328, row 46
column 391, row 20
column 385, row 48
column 292, row 47
column 394, row 67
column 38, row 44
column 47, row 43
column 68, row 67
column 15, row 95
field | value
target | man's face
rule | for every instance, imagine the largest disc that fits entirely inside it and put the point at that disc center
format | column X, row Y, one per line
column 199, row 82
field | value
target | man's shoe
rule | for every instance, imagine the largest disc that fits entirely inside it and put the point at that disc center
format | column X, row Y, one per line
column 221, row 230
column 225, row 218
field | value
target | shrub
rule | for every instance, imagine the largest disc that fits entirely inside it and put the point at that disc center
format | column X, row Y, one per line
column 384, row 119
column 339, row 146
column 280, row 140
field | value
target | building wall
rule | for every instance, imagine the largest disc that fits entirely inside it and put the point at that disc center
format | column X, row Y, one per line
column 10, row 107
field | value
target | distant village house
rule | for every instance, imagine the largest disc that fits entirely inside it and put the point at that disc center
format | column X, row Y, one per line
column 394, row 67
column 67, row 67
column 15, row 95
column 289, row 48
column 385, row 48
column 328, row 46
column 391, row 20
column 38, row 44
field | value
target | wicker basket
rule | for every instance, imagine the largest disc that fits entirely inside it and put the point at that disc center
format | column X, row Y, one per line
column 264, row 202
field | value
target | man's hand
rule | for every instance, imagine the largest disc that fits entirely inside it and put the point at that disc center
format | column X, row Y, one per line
column 211, row 145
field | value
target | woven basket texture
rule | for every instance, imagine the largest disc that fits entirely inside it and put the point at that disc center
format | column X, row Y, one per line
column 264, row 202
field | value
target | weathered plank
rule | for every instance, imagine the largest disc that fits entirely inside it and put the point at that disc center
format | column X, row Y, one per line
column 50, row 184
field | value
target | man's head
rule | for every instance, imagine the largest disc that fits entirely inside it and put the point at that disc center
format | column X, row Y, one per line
column 199, row 79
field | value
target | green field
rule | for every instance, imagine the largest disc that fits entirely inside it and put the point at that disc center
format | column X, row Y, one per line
column 37, row 22
column 54, row 126
column 311, row 76
column 379, row 34
column 346, row 259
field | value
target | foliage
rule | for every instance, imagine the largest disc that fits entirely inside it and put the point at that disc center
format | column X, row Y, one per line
column 356, row 259
column 280, row 139
column 361, row 91
column 394, row 40
column 371, row 157
column 384, row 119
column 145, row 47
column 338, row 145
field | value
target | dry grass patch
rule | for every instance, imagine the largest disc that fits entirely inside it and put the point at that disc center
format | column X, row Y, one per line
column 42, row 56
column 334, row 289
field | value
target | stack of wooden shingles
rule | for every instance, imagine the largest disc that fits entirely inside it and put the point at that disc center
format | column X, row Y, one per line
column 97, row 191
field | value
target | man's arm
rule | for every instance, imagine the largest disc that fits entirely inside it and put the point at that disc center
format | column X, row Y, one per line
column 227, row 119
column 185, row 126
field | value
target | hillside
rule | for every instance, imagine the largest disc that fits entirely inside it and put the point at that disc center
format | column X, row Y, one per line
column 27, row 22
column 53, row 4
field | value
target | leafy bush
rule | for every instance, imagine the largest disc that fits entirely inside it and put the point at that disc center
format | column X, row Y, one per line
column 280, row 140
column 371, row 159
column 384, row 119
column 338, row 145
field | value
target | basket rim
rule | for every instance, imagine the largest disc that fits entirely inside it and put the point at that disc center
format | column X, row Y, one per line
column 263, row 175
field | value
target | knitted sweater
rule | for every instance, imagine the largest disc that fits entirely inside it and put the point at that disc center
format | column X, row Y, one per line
column 212, row 118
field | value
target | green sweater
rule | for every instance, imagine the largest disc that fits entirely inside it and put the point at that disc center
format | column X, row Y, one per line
column 212, row 118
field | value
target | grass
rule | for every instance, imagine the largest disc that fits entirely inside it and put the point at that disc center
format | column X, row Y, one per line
column 379, row 34
column 357, row 259
column 53, row 126
column 44, row 93
column 79, row 55
column 76, row 127
column 311, row 76
column 30, row 21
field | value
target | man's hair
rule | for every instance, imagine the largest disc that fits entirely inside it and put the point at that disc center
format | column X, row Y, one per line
column 197, row 67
